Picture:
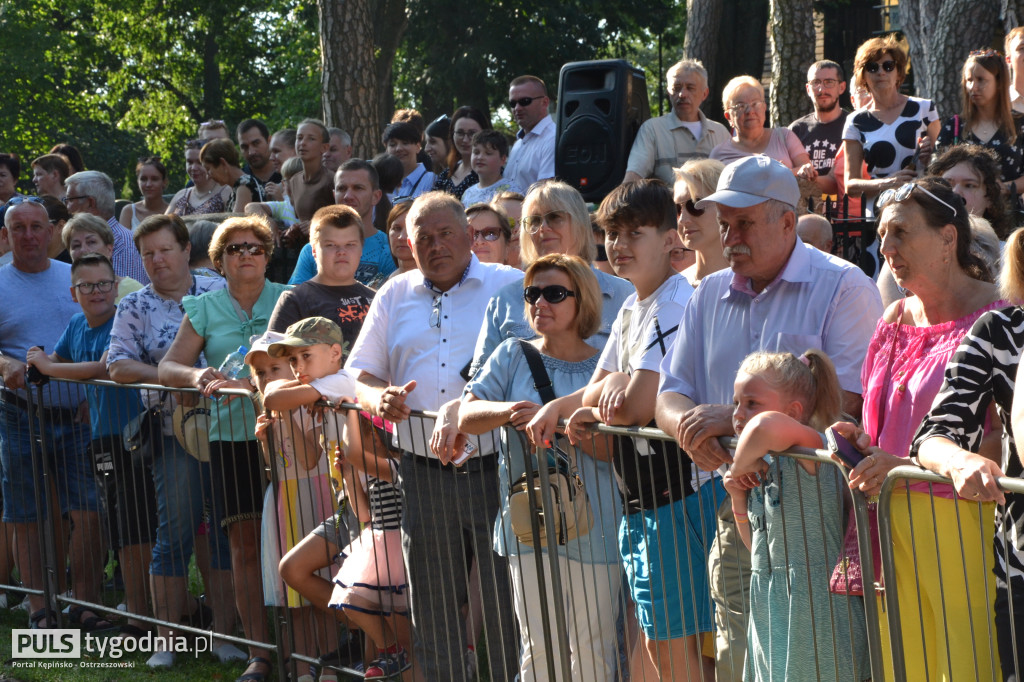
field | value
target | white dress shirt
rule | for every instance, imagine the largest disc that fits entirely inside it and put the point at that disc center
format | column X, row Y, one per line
column 533, row 155
column 398, row 343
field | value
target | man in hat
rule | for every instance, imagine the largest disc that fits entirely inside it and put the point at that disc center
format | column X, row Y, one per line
column 777, row 295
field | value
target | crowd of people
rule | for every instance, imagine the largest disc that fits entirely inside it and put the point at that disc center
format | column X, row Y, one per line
column 455, row 274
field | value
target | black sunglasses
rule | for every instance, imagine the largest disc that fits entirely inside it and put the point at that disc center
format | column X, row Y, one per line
column 691, row 208
column 888, row 66
column 554, row 293
column 245, row 247
column 522, row 102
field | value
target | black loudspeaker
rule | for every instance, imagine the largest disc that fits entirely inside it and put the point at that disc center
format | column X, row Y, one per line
column 601, row 105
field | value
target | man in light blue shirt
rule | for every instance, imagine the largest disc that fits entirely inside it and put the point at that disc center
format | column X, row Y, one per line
column 778, row 295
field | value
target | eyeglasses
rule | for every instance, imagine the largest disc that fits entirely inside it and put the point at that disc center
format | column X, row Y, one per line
column 823, row 83
column 533, row 223
column 103, row 287
column 14, row 201
column 522, row 102
column 553, row 293
column 435, row 312
column 901, row 194
column 488, row 234
column 888, row 66
column 465, row 134
column 691, row 208
column 741, row 108
column 68, row 200
column 245, row 247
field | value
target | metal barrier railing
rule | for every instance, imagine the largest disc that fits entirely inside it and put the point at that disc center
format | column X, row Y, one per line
column 467, row 612
column 947, row 626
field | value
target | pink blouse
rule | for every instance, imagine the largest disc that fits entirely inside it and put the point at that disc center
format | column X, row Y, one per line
column 916, row 377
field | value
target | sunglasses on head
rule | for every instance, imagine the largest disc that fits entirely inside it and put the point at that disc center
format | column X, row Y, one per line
column 245, row 247
column 691, row 208
column 553, row 293
column 21, row 199
column 901, row 194
column 888, row 66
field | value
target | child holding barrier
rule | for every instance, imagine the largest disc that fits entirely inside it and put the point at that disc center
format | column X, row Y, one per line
column 284, row 367
column 790, row 515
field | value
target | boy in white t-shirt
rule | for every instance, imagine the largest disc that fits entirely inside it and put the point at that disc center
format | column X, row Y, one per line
column 490, row 152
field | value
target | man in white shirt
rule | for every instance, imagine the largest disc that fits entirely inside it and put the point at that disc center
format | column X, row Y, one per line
column 413, row 353
column 669, row 141
column 533, row 155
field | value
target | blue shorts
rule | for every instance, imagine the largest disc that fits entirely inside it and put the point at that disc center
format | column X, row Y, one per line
column 69, row 458
column 665, row 554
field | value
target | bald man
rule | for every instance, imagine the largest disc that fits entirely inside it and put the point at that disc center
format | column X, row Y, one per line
column 815, row 231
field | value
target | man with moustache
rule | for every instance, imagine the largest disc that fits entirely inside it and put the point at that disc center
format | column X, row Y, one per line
column 778, row 294
column 821, row 132
column 669, row 141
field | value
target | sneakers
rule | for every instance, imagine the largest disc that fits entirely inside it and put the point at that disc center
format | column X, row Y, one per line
column 161, row 659
column 471, row 665
column 388, row 665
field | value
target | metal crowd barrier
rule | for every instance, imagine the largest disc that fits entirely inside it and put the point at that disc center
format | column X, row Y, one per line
column 465, row 624
column 939, row 598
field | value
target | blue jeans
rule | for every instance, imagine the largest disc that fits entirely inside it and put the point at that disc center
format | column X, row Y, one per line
column 182, row 484
column 69, row 456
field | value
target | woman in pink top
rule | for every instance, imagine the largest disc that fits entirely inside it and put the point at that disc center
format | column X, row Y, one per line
column 745, row 109
column 925, row 237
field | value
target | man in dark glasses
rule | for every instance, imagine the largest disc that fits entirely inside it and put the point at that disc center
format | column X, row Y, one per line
column 533, row 155
column 685, row 133
column 414, row 352
column 778, row 294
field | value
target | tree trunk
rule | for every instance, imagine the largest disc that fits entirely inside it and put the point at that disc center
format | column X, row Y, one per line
column 729, row 37
column 213, row 94
column 349, row 76
column 940, row 40
column 703, row 21
column 1011, row 12
column 389, row 24
column 792, row 38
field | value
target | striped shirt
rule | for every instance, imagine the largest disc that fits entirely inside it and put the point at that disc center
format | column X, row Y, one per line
column 127, row 261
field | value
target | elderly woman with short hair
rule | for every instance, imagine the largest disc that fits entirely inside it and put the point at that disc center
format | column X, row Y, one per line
column 555, row 220
column 216, row 324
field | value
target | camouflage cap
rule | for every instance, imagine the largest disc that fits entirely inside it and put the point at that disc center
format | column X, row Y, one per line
column 307, row 332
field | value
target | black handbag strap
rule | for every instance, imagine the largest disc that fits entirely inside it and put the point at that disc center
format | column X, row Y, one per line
column 541, row 380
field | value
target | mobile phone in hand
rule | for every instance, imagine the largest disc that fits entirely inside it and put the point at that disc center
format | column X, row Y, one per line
column 843, row 448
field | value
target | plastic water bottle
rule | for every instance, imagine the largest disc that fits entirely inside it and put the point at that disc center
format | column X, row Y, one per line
column 233, row 363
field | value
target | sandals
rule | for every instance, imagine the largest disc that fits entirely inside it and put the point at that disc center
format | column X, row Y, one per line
column 88, row 623
column 255, row 677
column 43, row 619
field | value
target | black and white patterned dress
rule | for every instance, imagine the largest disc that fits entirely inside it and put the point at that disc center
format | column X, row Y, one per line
column 1011, row 156
column 983, row 370
column 889, row 147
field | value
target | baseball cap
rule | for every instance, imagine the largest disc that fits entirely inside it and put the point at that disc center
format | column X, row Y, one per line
column 261, row 344
column 307, row 332
column 753, row 180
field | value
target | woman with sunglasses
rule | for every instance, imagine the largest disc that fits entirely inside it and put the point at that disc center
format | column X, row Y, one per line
column 205, row 195
column 458, row 176
column 986, row 118
column 745, row 109
column 698, row 227
column 925, row 238
column 555, row 220
column 216, row 324
column 563, row 306
column 489, row 228
column 895, row 133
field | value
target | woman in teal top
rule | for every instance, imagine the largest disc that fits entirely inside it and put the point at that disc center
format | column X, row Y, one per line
column 217, row 323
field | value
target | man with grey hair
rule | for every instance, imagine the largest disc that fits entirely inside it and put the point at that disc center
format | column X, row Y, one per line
column 339, row 151
column 413, row 353
column 93, row 192
column 777, row 295
column 685, row 133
